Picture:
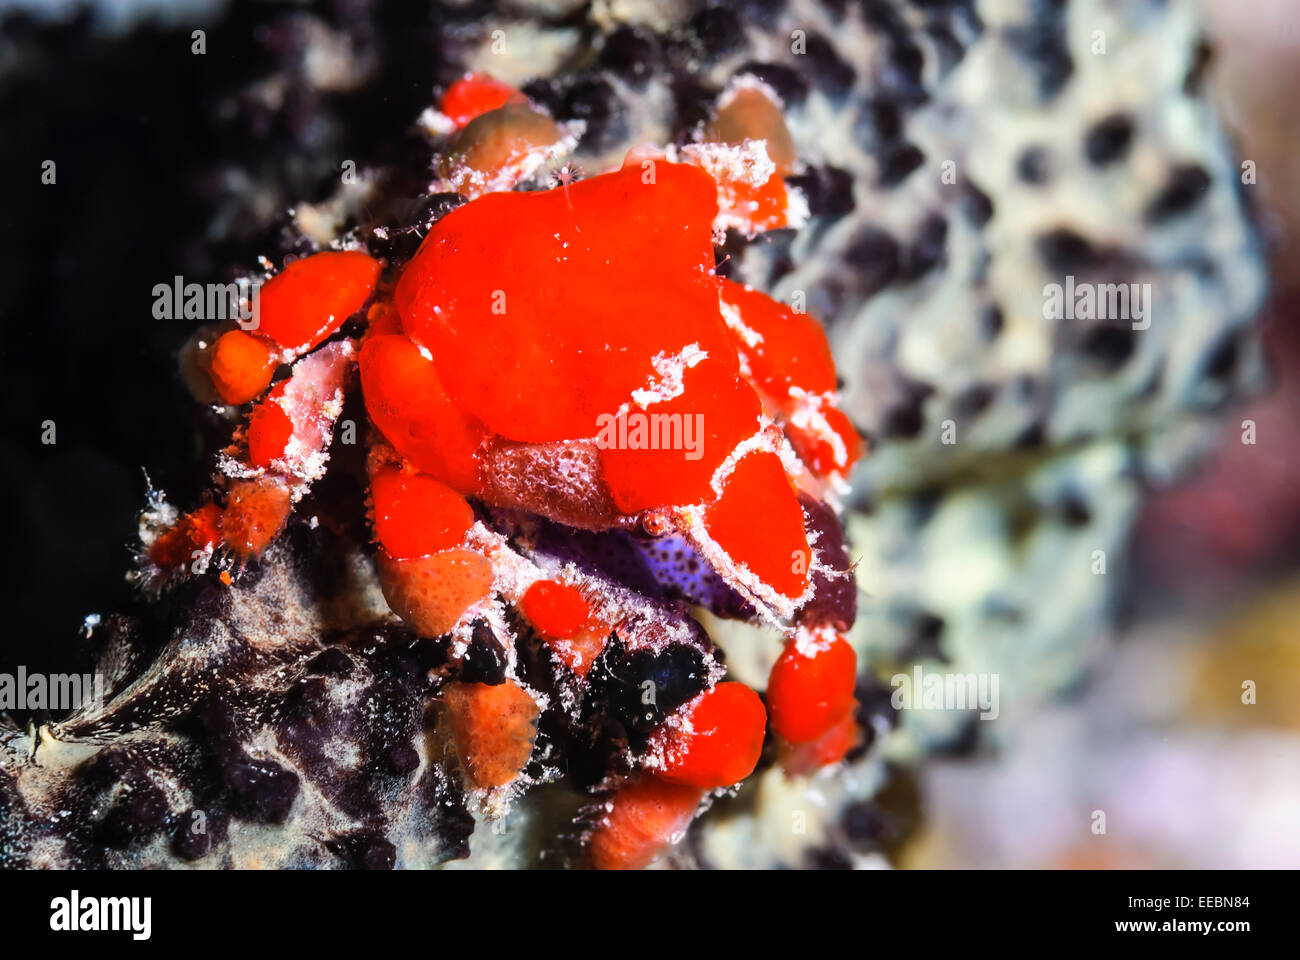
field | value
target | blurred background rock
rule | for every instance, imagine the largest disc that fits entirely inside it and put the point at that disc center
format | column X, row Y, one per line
column 1158, row 737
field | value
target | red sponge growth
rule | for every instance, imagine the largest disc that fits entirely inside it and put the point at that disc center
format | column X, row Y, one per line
column 194, row 531
column 831, row 747
column 724, row 741
column 405, row 399
column 310, row 298
column 790, row 349
column 810, row 688
column 256, row 510
column 556, row 609
column 826, row 452
column 475, row 94
column 269, row 430
column 667, row 453
column 415, row 515
column 758, row 208
column 600, row 281
column 775, row 549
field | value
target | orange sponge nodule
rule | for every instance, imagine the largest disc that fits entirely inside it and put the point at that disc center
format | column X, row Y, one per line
column 255, row 511
column 494, row 727
column 645, row 817
column 241, row 366
column 433, row 593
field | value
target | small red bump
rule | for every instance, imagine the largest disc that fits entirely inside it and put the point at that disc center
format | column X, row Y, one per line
column 556, row 609
column 724, row 742
column 793, row 351
column 241, row 366
column 646, row 816
column 775, row 550
column 475, row 94
column 809, row 694
column 194, row 531
column 416, row 515
column 269, row 430
column 818, row 452
column 310, row 298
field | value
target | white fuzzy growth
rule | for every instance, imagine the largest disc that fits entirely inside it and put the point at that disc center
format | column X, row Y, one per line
column 809, row 415
column 157, row 517
column 735, row 165
column 671, row 370
column 810, row 641
column 475, row 183
column 731, row 316
column 727, row 163
column 312, row 400
column 435, row 123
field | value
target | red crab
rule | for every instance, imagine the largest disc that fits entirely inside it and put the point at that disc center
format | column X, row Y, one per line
column 569, row 355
